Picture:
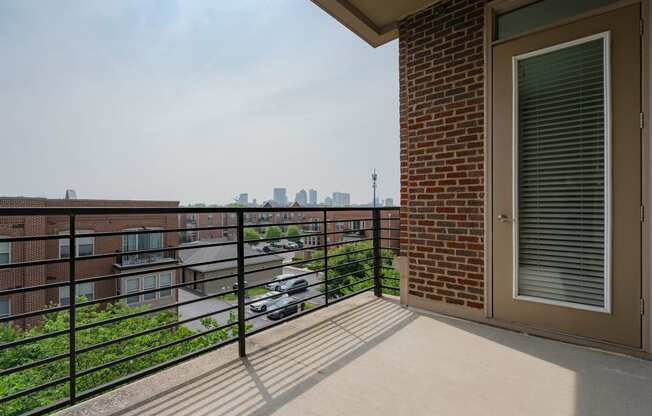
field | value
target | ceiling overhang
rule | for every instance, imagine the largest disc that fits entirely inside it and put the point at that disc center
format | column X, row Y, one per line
column 375, row 21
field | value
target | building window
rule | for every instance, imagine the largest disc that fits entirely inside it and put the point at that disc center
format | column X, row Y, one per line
column 138, row 242
column 5, row 253
column 165, row 280
column 149, row 282
column 133, row 285
column 86, row 290
column 85, row 245
column 5, row 307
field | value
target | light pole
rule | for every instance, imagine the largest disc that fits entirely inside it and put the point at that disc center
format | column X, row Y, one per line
column 374, row 177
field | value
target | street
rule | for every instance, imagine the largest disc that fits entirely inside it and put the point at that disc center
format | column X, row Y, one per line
column 214, row 304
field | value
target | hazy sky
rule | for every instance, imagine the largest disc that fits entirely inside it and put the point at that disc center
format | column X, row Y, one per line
column 192, row 100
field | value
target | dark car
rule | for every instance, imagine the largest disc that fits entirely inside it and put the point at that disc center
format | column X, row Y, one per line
column 293, row 286
column 282, row 308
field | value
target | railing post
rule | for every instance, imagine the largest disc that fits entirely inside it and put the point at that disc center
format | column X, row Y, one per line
column 241, row 285
column 72, row 296
column 324, row 228
column 377, row 261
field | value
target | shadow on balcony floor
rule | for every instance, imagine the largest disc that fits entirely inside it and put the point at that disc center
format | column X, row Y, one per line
column 371, row 356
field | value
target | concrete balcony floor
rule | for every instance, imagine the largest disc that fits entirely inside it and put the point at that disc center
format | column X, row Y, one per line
column 368, row 356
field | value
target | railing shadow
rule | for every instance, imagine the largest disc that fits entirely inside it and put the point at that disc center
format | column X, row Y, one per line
column 277, row 373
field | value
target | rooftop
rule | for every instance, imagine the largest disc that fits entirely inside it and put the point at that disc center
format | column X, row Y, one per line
column 372, row 356
column 219, row 253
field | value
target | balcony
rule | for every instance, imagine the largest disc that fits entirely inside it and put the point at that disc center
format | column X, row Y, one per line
column 368, row 355
column 162, row 303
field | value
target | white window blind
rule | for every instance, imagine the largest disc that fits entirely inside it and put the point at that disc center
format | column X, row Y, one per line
column 562, row 173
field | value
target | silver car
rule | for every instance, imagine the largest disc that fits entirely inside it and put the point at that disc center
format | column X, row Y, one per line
column 274, row 284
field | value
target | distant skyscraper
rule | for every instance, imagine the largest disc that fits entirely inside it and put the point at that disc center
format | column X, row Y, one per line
column 243, row 199
column 312, row 197
column 328, row 201
column 302, row 197
column 281, row 196
column 389, row 202
column 341, row 199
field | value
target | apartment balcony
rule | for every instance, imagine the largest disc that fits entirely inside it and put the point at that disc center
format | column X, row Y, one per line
column 372, row 356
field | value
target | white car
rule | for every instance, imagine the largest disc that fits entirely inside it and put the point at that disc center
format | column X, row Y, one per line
column 275, row 284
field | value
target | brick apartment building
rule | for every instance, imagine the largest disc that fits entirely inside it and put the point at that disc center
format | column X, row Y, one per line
column 17, row 252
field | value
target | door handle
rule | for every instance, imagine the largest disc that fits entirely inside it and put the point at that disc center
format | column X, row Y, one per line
column 503, row 218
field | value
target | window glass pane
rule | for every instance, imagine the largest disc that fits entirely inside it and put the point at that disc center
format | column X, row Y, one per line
column 64, row 249
column 133, row 285
column 86, row 290
column 561, row 173
column 165, row 279
column 149, row 282
column 4, row 252
column 130, row 242
column 542, row 13
column 64, row 295
column 85, row 250
column 156, row 240
column 4, row 307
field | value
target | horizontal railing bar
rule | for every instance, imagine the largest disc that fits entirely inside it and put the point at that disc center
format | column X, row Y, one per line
column 390, row 278
column 34, row 364
column 352, row 262
column 389, row 229
column 262, row 240
column 349, row 242
column 386, row 258
column 47, row 409
column 297, row 302
column 152, row 330
column 33, row 339
column 296, row 276
column 352, row 284
column 158, row 289
column 154, row 231
column 266, row 224
column 141, row 272
column 153, row 349
column 7, row 292
column 32, row 263
column 153, row 250
column 34, row 389
column 330, row 256
column 144, row 372
column 264, row 269
column 80, row 211
column 350, row 295
column 148, row 311
column 33, row 313
column 390, row 238
column 389, row 287
column 347, row 220
column 349, row 231
column 27, row 238
column 286, row 319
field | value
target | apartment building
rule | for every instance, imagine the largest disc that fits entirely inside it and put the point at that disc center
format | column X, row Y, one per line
column 19, row 252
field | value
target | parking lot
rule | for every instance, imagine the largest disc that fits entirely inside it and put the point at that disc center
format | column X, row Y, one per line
column 214, row 304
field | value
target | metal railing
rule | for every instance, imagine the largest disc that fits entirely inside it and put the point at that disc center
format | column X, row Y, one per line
column 332, row 255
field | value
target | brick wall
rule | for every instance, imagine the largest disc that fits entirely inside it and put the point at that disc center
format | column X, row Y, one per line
column 441, row 133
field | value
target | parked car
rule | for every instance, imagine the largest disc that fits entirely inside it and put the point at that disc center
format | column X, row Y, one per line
column 277, row 245
column 262, row 302
column 293, row 286
column 263, row 248
column 291, row 245
column 282, row 308
column 274, row 284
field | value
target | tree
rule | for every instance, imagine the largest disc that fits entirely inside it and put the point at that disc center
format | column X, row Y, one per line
column 251, row 234
column 293, row 233
column 39, row 350
column 351, row 268
column 273, row 232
